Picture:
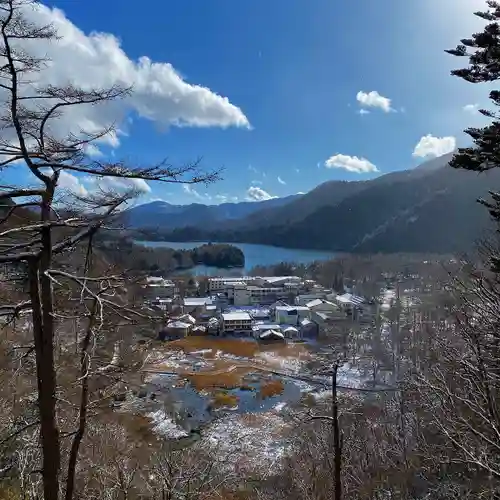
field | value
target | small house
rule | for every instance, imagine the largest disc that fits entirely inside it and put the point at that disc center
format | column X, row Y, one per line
column 292, row 333
column 175, row 330
column 272, row 336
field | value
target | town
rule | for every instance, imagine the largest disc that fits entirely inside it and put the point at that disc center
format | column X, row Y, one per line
column 265, row 308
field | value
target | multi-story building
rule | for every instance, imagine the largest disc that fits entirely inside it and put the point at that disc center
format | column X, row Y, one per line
column 157, row 287
column 291, row 315
column 236, row 322
column 196, row 305
column 302, row 300
column 220, row 284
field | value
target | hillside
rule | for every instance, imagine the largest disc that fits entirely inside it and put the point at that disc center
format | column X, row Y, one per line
column 329, row 194
column 431, row 208
column 163, row 215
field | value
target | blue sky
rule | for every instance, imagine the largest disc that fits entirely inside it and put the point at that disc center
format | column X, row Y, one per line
column 315, row 90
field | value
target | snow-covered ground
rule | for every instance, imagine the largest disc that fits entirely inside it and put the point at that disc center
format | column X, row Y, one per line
column 165, row 426
column 284, row 363
column 248, row 442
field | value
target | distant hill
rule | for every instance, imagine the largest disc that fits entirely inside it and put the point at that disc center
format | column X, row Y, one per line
column 431, row 208
column 163, row 215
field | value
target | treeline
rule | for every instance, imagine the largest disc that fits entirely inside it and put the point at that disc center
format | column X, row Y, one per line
column 160, row 261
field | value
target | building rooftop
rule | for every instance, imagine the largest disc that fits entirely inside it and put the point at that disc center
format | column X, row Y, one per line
column 187, row 318
column 178, row 324
column 323, row 316
column 197, row 301
column 161, row 284
column 229, row 279
column 157, row 279
column 349, row 298
column 292, row 308
column 236, row 316
column 265, row 326
column 271, row 334
column 254, row 287
column 272, row 279
column 315, row 303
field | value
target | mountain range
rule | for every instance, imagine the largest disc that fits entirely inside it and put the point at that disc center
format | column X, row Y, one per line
column 431, row 208
column 164, row 215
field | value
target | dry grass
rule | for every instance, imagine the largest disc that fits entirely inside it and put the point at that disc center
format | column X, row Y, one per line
column 229, row 346
column 223, row 399
column 236, row 347
column 220, row 379
column 271, row 388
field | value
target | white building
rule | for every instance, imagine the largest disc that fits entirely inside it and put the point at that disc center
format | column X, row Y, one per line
column 292, row 333
column 236, row 322
column 321, row 305
column 348, row 301
column 157, row 287
column 302, row 300
column 237, row 293
column 260, row 328
column 175, row 329
column 196, row 304
column 291, row 315
column 272, row 336
column 220, row 283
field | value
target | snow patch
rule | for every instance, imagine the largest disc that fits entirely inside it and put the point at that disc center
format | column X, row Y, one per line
column 164, row 425
column 249, row 446
column 291, row 365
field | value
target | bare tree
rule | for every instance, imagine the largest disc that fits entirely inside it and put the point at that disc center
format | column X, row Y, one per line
column 462, row 390
column 37, row 229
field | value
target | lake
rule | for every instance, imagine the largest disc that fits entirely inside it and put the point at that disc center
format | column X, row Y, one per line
column 255, row 255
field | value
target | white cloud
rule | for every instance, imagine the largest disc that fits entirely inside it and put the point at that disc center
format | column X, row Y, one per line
column 301, row 192
column 93, row 151
column 189, row 189
column 72, row 184
column 351, row 164
column 374, row 100
column 256, row 182
column 253, row 169
column 118, row 184
column 281, row 181
column 96, row 60
column 473, row 109
column 430, row 146
column 255, row 193
column 363, row 111
column 225, row 198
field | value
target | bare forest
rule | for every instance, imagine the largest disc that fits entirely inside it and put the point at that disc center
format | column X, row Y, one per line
column 428, row 426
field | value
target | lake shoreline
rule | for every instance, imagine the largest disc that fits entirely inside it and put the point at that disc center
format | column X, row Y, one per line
column 255, row 255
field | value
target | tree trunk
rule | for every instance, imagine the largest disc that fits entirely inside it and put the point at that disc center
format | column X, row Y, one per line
column 46, row 380
column 337, row 442
column 84, row 401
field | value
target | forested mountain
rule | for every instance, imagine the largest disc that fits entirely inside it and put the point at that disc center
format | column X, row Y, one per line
column 431, row 208
column 330, row 194
column 167, row 216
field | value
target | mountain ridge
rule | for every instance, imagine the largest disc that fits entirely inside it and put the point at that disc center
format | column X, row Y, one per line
column 431, row 208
